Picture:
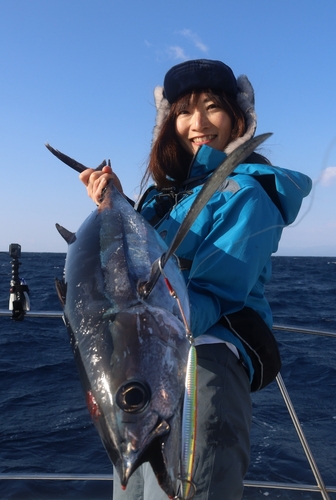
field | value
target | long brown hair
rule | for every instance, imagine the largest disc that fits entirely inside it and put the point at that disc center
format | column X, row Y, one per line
column 168, row 161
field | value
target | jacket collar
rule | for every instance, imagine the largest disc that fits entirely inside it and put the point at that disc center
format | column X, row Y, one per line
column 205, row 161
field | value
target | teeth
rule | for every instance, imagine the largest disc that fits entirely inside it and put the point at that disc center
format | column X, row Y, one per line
column 200, row 140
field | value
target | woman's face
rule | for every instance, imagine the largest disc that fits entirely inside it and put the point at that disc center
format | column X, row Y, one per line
column 203, row 122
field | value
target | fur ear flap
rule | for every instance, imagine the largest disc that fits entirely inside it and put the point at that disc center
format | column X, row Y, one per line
column 162, row 110
column 245, row 100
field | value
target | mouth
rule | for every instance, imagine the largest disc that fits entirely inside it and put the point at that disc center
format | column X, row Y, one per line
column 157, row 462
column 204, row 139
column 151, row 452
column 154, row 453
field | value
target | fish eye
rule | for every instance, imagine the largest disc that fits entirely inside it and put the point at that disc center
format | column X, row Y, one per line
column 133, row 397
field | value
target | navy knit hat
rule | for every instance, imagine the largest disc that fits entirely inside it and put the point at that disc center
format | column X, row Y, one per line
column 197, row 75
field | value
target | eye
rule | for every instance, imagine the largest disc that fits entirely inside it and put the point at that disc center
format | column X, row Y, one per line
column 183, row 112
column 212, row 105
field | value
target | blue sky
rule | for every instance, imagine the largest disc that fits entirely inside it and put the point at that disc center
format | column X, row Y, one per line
column 80, row 75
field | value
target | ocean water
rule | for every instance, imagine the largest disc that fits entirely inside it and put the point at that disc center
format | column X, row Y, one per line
column 45, row 426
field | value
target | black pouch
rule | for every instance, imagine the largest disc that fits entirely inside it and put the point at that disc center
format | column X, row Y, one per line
column 259, row 343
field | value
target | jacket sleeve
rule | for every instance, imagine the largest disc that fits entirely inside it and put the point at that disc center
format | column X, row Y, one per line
column 233, row 260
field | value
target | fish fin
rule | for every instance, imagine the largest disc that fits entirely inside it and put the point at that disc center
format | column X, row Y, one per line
column 71, row 162
column 103, row 164
column 79, row 167
column 67, row 235
column 61, row 290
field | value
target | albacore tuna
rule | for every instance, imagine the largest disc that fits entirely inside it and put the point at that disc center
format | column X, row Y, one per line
column 131, row 353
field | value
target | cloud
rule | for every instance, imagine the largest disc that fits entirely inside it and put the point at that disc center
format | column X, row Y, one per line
column 195, row 39
column 176, row 52
column 328, row 176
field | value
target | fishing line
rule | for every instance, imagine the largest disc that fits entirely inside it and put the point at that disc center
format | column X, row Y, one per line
column 175, row 296
column 315, row 184
column 323, row 169
column 189, row 413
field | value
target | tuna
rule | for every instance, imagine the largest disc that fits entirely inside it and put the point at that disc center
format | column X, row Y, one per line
column 131, row 353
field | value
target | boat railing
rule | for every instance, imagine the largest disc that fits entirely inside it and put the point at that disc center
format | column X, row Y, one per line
column 319, row 487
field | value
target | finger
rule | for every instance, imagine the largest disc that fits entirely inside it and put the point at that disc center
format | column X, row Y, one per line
column 107, row 170
column 97, row 182
column 85, row 175
column 98, row 186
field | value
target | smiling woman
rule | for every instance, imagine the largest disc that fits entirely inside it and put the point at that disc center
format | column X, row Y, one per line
column 204, row 113
column 169, row 159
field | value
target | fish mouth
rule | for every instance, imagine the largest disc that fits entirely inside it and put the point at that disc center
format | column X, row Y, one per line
column 131, row 461
column 152, row 452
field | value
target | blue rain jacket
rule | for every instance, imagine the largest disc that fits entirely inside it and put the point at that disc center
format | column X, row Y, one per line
column 231, row 242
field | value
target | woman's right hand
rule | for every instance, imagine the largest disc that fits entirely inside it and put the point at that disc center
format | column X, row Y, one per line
column 97, row 180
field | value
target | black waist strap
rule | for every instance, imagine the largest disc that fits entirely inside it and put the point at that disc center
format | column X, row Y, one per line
column 259, row 343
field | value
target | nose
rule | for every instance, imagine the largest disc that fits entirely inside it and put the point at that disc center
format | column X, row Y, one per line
column 199, row 120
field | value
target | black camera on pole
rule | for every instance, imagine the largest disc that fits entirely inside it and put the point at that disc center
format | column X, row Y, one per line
column 19, row 301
